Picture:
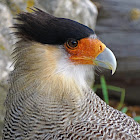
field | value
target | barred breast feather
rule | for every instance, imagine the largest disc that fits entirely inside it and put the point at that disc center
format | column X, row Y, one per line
column 35, row 117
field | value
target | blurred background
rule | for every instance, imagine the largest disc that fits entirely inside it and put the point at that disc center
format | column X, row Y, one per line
column 117, row 24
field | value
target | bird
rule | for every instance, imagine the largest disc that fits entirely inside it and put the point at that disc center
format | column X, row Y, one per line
column 49, row 98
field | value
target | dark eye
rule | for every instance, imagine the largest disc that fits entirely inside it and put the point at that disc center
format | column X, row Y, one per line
column 72, row 43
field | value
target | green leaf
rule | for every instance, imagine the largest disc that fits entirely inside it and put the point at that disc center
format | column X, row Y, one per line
column 121, row 99
column 124, row 109
column 137, row 118
column 104, row 89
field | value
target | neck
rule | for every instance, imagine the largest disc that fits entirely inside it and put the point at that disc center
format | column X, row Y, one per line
column 37, row 68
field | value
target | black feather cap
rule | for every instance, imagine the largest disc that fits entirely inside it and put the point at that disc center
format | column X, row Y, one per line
column 42, row 27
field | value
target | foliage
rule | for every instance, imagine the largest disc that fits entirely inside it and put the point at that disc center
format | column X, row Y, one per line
column 105, row 89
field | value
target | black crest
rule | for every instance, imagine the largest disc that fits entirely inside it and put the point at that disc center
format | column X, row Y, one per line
column 44, row 28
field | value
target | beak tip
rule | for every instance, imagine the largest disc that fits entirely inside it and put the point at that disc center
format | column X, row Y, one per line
column 107, row 60
column 113, row 71
column 114, row 68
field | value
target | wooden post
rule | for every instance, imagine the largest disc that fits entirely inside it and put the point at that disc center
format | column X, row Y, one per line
column 118, row 26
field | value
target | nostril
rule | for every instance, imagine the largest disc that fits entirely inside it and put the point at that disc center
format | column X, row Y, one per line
column 100, row 48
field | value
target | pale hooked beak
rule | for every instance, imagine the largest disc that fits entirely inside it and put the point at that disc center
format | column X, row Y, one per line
column 107, row 60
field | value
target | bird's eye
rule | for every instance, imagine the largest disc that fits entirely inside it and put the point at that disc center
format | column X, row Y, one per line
column 72, row 43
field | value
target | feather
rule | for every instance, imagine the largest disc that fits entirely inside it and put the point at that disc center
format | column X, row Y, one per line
column 42, row 27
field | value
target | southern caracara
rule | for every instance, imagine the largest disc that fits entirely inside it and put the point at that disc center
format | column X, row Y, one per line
column 48, row 97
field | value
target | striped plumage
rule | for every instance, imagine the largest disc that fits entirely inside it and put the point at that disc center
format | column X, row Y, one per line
column 49, row 99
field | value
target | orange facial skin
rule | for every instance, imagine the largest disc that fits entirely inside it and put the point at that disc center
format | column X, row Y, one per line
column 86, row 51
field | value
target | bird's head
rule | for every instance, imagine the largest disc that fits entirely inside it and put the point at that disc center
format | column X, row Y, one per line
column 90, row 51
column 60, row 45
